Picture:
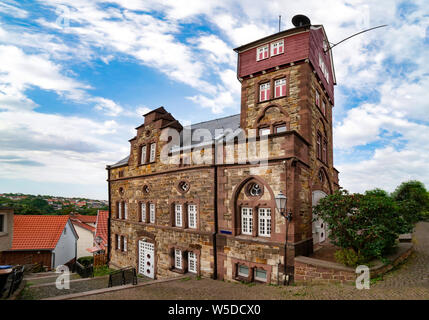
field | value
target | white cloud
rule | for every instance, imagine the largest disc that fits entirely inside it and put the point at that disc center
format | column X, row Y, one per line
column 12, row 9
column 107, row 106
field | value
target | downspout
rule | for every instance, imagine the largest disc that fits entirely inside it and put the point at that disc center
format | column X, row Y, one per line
column 286, row 229
column 110, row 214
column 215, row 224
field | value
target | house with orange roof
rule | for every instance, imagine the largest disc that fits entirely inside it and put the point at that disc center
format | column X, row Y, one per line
column 85, row 228
column 101, row 232
column 50, row 240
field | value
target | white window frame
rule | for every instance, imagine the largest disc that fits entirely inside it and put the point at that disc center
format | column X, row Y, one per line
column 242, row 274
column 317, row 98
column 323, row 67
column 282, row 126
column 125, row 244
column 178, row 215
column 264, row 222
column 264, row 87
column 264, row 49
column 178, row 259
column 152, row 212
column 118, row 242
column 120, row 210
column 264, row 131
column 260, row 279
column 246, row 220
column 192, row 216
column 143, row 211
column 279, row 44
column 125, row 210
column 143, row 154
column 152, row 152
column 279, row 83
column 192, row 262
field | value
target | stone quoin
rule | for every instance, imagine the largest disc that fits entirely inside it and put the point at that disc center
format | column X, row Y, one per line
column 217, row 218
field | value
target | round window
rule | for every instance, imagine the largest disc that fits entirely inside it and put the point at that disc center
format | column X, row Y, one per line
column 146, row 189
column 183, row 186
column 255, row 190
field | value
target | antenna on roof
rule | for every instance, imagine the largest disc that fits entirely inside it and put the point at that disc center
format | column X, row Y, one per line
column 280, row 20
column 384, row 25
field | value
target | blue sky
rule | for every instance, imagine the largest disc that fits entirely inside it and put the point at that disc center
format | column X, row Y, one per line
column 76, row 77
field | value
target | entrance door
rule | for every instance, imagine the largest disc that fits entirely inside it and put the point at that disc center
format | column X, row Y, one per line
column 319, row 226
column 146, row 259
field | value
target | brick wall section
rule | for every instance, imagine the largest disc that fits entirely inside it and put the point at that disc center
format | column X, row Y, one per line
column 320, row 271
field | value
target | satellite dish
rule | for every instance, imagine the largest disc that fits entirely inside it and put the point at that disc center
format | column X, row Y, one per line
column 300, row 20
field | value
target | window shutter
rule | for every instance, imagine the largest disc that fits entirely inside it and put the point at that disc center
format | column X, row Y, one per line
column 268, row 95
column 283, row 89
column 277, row 91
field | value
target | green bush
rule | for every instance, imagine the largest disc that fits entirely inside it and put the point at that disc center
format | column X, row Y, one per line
column 86, row 261
column 348, row 257
column 368, row 224
column 413, row 199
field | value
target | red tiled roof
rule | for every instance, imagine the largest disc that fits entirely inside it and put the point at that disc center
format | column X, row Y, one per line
column 35, row 232
column 84, row 218
column 83, row 225
column 101, row 228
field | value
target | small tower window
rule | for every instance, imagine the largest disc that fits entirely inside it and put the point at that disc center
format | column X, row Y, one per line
column 264, row 91
column 143, row 155
column 262, row 53
column 324, row 107
column 280, row 88
column 317, row 98
column 277, row 47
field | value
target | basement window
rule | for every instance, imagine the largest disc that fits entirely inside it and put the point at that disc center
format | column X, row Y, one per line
column 260, row 275
column 243, row 271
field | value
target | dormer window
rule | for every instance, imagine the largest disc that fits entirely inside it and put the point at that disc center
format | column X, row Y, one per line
column 264, row 91
column 280, row 88
column 262, row 53
column 277, row 47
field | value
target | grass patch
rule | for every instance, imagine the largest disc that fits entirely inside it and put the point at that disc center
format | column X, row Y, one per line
column 102, row 271
column 185, row 279
column 26, row 293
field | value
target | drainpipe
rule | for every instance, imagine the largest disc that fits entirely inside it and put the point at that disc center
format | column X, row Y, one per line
column 110, row 213
column 215, row 225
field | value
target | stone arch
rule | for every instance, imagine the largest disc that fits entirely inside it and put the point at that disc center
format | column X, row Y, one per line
column 325, row 186
column 285, row 118
column 266, row 200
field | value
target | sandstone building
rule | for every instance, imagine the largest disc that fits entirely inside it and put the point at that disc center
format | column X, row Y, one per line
column 219, row 219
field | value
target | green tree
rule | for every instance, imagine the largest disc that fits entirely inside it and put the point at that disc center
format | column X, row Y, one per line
column 413, row 199
column 368, row 224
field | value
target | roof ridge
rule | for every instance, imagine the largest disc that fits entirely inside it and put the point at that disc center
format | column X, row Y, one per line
column 194, row 124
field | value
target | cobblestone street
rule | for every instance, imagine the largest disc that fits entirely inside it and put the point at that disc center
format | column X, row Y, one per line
column 408, row 281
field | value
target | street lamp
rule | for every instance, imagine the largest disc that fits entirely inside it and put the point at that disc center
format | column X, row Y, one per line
column 281, row 204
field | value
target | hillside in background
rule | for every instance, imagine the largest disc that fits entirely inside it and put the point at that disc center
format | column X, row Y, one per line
column 44, row 204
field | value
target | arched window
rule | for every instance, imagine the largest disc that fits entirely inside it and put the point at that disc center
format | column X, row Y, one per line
column 254, row 213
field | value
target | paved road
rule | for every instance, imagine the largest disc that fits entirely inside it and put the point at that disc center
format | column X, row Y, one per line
column 410, row 281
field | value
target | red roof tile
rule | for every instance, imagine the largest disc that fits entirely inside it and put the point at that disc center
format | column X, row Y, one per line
column 84, row 218
column 83, row 225
column 36, row 232
column 101, row 228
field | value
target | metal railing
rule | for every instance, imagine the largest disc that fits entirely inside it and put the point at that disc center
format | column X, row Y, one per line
column 122, row 277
